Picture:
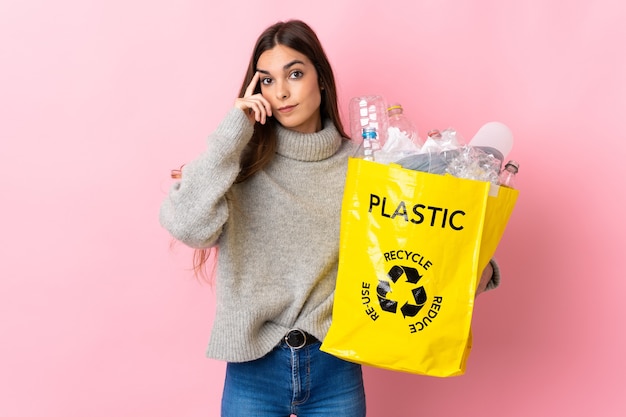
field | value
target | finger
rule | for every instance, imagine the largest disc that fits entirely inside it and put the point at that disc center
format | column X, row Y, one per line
column 262, row 107
column 262, row 101
column 250, row 90
column 254, row 108
column 258, row 109
column 263, row 112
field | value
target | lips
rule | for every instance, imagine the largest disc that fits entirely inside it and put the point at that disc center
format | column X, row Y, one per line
column 286, row 109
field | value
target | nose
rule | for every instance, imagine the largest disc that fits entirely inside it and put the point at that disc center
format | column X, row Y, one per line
column 282, row 90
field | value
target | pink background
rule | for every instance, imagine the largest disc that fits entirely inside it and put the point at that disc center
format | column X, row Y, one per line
column 100, row 316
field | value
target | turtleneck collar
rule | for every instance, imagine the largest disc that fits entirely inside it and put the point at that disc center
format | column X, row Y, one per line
column 308, row 147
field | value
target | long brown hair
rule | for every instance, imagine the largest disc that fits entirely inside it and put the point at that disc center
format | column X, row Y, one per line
column 299, row 36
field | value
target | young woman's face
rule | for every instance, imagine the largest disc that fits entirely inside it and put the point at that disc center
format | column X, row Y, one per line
column 289, row 82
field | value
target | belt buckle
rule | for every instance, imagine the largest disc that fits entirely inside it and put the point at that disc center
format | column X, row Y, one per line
column 295, row 339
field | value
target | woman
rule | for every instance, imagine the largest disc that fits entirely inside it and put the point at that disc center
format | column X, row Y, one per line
column 267, row 192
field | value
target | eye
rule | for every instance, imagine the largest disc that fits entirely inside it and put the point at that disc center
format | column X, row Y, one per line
column 266, row 81
column 296, row 74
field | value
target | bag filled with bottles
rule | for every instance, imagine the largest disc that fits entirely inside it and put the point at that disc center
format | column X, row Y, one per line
column 412, row 247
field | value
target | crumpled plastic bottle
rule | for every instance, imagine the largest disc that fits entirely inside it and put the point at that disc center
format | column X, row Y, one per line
column 507, row 176
column 401, row 128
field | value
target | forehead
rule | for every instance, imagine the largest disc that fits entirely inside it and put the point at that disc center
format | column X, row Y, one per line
column 280, row 56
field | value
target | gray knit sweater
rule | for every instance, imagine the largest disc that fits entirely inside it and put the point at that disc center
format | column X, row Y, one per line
column 277, row 232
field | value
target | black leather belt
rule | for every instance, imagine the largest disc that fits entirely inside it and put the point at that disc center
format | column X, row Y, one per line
column 297, row 339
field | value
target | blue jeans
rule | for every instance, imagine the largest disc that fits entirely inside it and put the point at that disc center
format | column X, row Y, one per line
column 306, row 382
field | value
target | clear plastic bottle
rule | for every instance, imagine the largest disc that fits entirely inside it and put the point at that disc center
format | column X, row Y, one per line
column 401, row 127
column 368, row 112
column 371, row 144
column 507, row 176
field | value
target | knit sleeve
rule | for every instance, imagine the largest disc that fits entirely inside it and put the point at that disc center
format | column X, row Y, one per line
column 195, row 209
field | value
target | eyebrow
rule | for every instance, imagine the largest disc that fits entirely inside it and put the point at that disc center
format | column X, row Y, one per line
column 285, row 67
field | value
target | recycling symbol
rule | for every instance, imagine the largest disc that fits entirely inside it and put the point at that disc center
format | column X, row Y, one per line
column 415, row 296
